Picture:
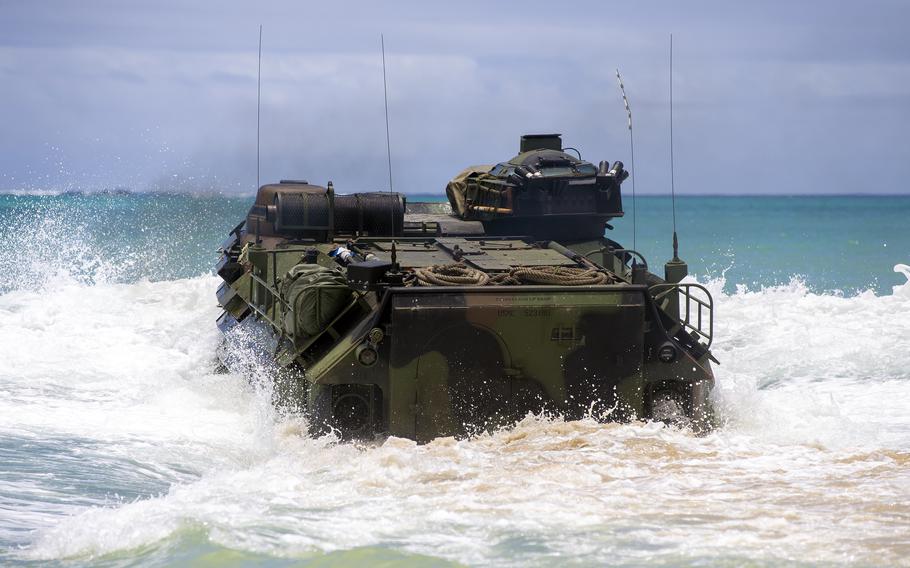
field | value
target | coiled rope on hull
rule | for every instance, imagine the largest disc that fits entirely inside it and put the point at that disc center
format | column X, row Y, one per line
column 458, row 274
column 559, row 276
column 450, row 275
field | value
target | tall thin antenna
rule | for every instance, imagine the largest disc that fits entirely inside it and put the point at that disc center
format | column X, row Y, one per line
column 625, row 101
column 672, row 165
column 385, row 93
column 258, row 103
column 675, row 270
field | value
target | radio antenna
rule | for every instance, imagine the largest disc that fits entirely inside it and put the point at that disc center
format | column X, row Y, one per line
column 675, row 269
column 672, row 168
column 625, row 101
column 385, row 94
column 258, row 103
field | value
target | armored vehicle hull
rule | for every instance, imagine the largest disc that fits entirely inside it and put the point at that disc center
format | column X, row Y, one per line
column 427, row 319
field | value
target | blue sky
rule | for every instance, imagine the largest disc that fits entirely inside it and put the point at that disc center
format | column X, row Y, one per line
column 770, row 97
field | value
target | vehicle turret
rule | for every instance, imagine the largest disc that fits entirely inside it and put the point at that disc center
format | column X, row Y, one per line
column 544, row 191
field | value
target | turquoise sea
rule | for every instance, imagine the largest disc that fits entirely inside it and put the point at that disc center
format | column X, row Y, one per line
column 120, row 446
column 831, row 244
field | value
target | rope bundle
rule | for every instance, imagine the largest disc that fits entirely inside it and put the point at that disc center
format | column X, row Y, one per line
column 559, row 275
column 460, row 275
column 450, row 275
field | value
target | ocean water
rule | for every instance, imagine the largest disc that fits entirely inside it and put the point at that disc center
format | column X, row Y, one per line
column 120, row 446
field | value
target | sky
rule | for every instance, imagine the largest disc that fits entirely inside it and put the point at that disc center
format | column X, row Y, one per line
column 769, row 97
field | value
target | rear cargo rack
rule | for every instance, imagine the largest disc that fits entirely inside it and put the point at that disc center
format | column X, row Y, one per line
column 695, row 314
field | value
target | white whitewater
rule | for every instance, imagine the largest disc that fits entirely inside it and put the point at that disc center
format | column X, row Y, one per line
column 117, row 435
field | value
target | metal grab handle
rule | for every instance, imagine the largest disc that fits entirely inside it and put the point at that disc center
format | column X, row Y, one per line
column 660, row 291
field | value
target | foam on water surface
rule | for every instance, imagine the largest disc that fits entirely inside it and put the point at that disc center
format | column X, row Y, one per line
column 812, row 462
column 120, row 444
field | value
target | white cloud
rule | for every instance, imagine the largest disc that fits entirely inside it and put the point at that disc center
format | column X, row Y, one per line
column 131, row 94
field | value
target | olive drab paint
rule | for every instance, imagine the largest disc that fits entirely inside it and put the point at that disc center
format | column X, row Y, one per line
column 423, row 320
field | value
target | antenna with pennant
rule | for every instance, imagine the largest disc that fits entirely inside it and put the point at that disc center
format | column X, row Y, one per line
column 676, row 269
column 625, row 101
column 258, row 103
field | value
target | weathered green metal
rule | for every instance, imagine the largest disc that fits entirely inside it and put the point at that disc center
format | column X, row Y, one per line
column 463, row 319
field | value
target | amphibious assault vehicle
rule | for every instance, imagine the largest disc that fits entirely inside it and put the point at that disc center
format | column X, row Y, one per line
column 421, row 320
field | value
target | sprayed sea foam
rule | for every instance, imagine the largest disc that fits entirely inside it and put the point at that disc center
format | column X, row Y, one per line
column 120, row 441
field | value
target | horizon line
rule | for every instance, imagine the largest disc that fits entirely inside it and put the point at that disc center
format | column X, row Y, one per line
column 124, row 191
